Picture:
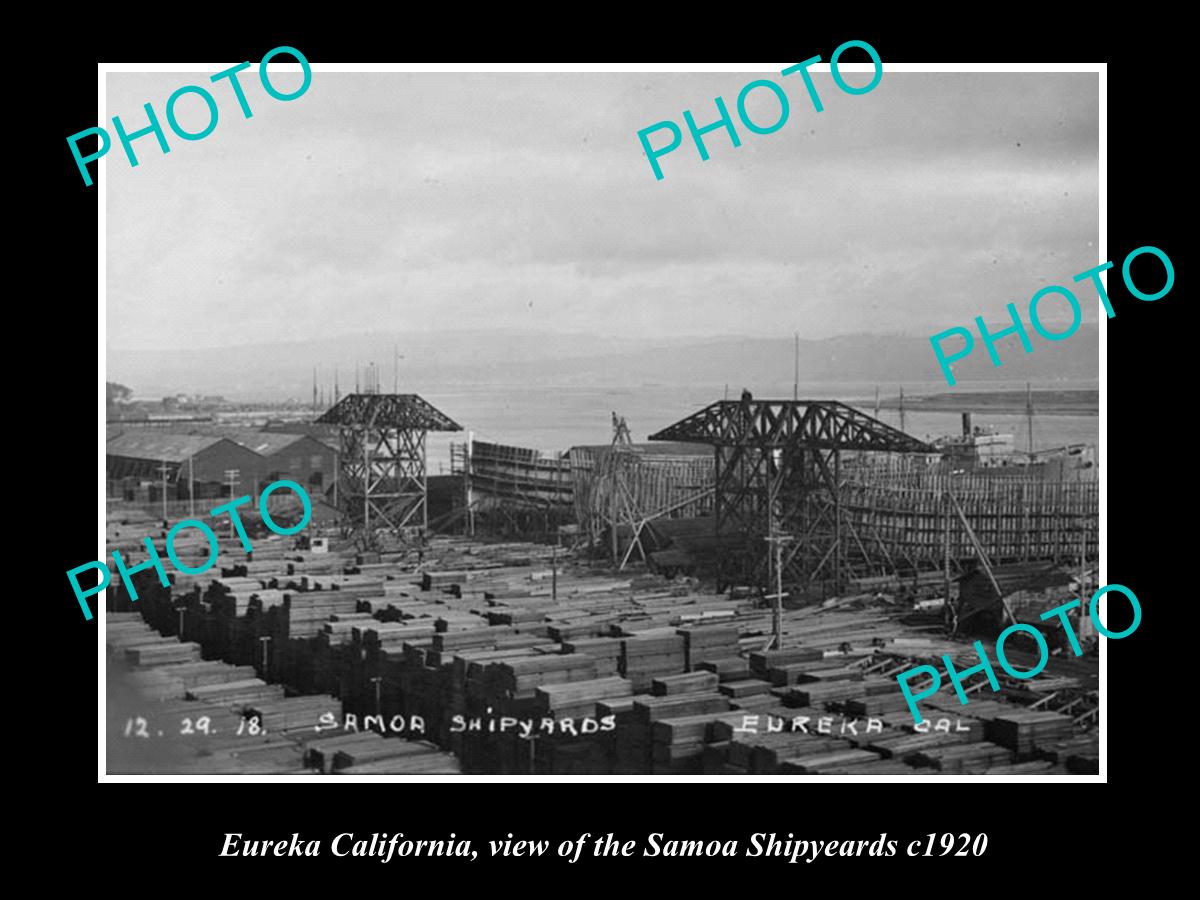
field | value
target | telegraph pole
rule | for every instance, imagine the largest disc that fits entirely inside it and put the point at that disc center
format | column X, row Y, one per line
column 796, row 373
column 777, row 542
column 164, row 468
column 1029, row 415
column 264, row 640
column 231, row 478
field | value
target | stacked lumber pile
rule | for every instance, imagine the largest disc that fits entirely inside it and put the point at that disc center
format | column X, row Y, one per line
column 762, row 753
column 1078, row 755
column 606, row 651
column 1025, row 731
column 630, row 744
column 819, row 693
column 670, row 748
column 705, row 642
column 839, row 761
column 228, row 723
column 965, row 758
column 1032, row 767
column 646, row 655
column 183, row 715
column 481, row 633
column 369, row 753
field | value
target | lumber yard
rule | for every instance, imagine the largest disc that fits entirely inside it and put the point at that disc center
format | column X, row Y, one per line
column 343, row 663
column 746, row 619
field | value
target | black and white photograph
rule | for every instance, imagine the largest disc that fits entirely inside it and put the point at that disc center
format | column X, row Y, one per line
column 609, row 422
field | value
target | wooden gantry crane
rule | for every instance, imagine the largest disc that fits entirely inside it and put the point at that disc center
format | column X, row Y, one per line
column 382, row 462
column 778, row 473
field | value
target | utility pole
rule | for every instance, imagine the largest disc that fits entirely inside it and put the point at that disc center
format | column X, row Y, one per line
column 366, row 445
column 164, row 468
column 946, row 605
column 470, row 487
column 1029, row 415
column 796, row 373
column 377, row 680
column 231, row 478
column 264, row 640
column 1084, row 626
column 777, row 542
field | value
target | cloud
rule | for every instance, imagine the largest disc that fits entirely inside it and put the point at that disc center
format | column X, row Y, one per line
column 393, row 201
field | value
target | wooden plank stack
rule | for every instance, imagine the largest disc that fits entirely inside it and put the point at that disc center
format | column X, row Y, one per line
column 1025, row 731
column 480, row 634
column 705, row 642
column 967, row 758
column 649, row 654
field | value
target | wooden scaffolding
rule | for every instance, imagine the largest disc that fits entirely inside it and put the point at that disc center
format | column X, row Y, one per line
column 381, row 462
column 778, row 473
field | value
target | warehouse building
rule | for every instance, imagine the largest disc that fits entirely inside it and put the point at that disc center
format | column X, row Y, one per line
column 139, row 463
column 298, row 457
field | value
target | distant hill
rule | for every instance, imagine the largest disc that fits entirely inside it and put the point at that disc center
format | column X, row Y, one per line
column 1057, row 403
column 281, row 370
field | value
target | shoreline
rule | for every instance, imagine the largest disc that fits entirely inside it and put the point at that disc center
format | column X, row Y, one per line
column 1045, row 403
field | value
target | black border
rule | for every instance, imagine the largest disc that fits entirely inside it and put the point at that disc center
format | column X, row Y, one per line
column 1147, row 443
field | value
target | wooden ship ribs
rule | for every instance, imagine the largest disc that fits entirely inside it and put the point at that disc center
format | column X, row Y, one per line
column 914, row 522
column 843, row 496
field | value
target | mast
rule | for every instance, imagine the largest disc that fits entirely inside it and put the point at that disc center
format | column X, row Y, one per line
column 1029, row 414
column 796, row 373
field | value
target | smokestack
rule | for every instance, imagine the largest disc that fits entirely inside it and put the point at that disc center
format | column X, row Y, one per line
column 966, row 424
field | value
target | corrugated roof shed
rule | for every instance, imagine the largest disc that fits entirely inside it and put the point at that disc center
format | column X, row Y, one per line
column 159, row 445
column 264, row 443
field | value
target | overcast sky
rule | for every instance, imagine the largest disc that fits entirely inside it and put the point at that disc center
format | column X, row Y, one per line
column 400, row 202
